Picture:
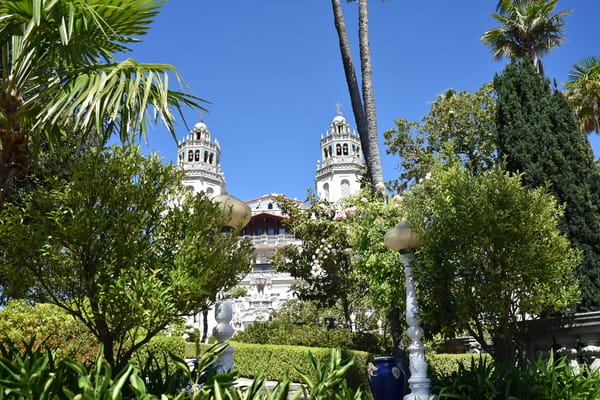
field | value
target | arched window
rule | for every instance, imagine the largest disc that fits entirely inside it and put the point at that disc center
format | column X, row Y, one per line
column 270, row 206
column 210, row 191
column 325, row 153
column 345, row 149
column 197, row 155
column 198, row 135
column 326, row 191
column 210, row 158
column 190, row 155
column 345, row 186
column 205, row 156
column 338, row 149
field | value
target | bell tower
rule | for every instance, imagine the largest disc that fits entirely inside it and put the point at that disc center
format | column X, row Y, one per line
column 201, row 160
column 339, row 170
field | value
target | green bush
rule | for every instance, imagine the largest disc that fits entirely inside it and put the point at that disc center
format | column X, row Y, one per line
column 31, row 373
column 50, row 325
column 445, row 364
column 153, row 361
column 274, row 362
column 539, row 380
column 310, row 335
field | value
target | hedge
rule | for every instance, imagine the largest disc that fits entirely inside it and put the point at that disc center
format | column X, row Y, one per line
column 159, row 348
column 275, row 361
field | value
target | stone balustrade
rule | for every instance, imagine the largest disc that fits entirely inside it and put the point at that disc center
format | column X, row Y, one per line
column 577, row 336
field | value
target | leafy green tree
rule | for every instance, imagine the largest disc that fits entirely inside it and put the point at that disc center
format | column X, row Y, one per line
column 583, row 93
column 529, row 29
column 492, row 255
column 539, row 137
column 121, row 247
column 324, row 259
column 459, row 126
column 59, row 69
column 363, row 98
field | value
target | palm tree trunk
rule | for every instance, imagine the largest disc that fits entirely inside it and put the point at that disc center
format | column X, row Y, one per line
column 374, row 158
column 13, row 146
column 205, row 310
column 358, row 110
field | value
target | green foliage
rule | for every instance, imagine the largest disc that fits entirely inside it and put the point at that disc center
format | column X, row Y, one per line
column 539, row 137
column 329, row 381
column 48, row 325
column 492, row 253
column 539, row 380
column 156, row 362
column 63, row 65
column 583, row 93
column 528, row 30
column 460, row 126
column 324, row 259
column 441, row 364
column 122, row 248
column 27, row 373
column 310, row 335
column 274, row 362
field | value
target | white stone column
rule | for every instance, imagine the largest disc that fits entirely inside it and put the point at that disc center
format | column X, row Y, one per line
column 418, row 382
column 223, row 331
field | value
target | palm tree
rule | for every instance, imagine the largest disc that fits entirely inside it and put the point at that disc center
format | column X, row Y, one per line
column 583, row 93
column 529, row 30
column 59, row 69
column 363, row 107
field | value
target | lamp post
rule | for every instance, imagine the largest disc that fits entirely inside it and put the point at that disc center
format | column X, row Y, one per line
column 239, row 214
column 402, row 237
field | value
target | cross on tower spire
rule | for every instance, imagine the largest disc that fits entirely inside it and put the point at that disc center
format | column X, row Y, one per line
column 338, row 106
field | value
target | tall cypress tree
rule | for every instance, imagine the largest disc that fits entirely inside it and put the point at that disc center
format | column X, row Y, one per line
column 538, row 135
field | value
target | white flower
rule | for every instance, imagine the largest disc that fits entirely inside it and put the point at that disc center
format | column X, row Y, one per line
column 350, row 211
column 340, row 215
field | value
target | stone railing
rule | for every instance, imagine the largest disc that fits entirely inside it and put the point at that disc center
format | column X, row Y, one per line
column 577, row 336
column 272, row 240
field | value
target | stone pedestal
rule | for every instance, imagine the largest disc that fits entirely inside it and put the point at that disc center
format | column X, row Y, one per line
column 223, row 331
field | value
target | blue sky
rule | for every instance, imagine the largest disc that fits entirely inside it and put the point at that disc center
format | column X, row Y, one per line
column 272, row 72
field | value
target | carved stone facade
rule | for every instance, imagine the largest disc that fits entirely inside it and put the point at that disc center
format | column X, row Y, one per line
column 337, row 176
column 266, row 289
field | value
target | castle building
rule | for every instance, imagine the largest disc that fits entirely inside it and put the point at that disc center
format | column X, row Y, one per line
column 201, row 160
column 339, row 171
column 337, row 176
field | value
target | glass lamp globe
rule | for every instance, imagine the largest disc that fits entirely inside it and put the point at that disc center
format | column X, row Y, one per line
column 239, row 212
column 401, row 237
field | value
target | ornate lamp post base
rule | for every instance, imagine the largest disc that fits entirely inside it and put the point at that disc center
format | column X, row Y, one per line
column 399, row 238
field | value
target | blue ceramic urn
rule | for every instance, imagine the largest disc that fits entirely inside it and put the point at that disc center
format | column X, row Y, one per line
column 386, row 379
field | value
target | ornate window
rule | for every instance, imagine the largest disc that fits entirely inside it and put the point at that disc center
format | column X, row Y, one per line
column 197, row 155
column 338, row 149
column 345, row 188
column 345, row 149
column 190, row 155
